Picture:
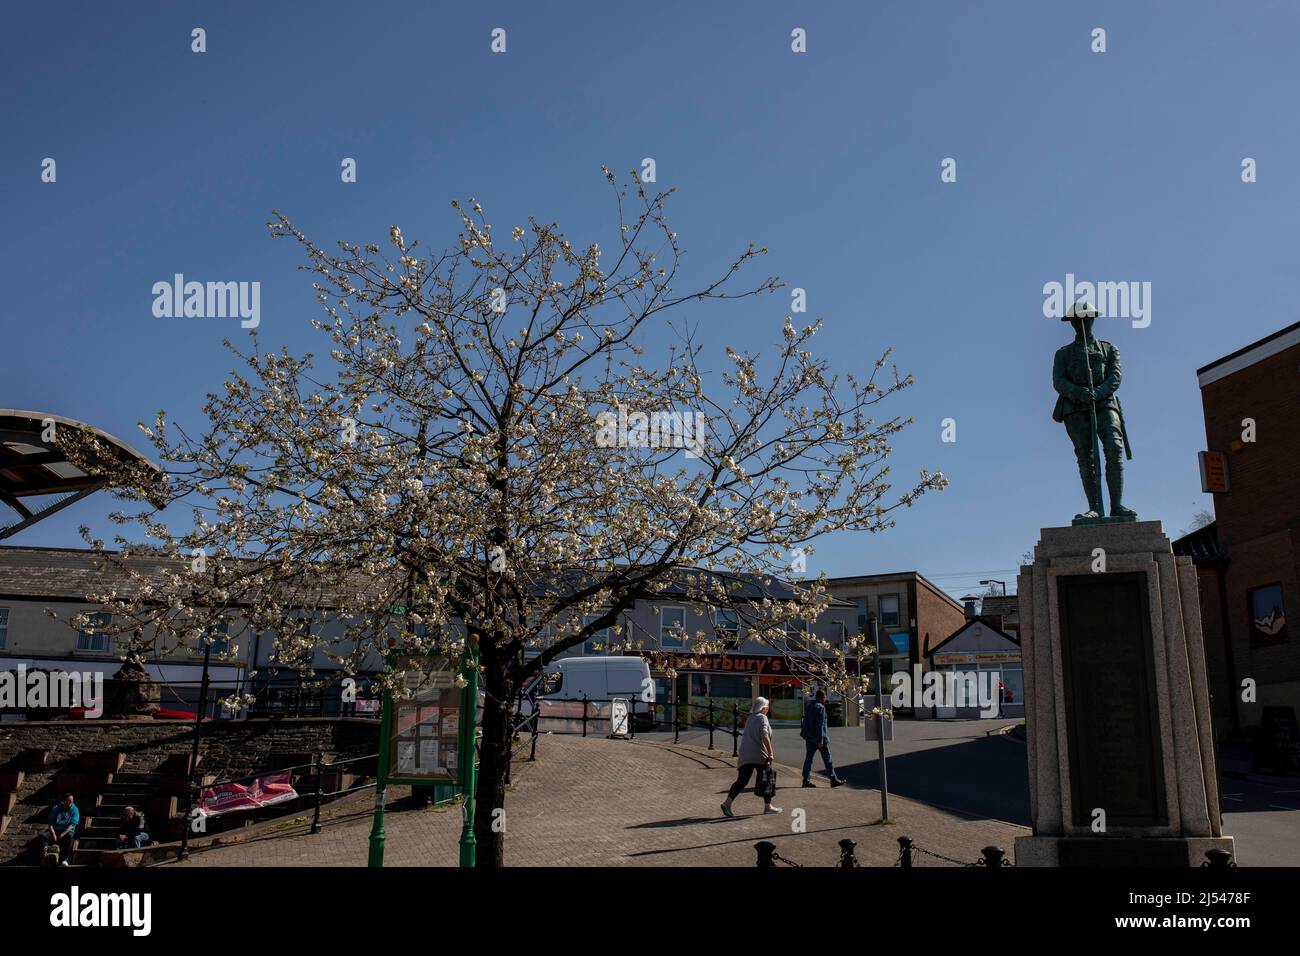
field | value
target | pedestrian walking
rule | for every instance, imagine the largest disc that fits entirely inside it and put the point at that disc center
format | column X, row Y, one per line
column 815, row 732
column 755, row 755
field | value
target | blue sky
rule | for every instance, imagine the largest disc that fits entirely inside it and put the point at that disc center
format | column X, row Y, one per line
column 1117, row 166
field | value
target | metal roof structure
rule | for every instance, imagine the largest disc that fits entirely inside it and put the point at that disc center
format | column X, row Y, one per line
column 36, row 478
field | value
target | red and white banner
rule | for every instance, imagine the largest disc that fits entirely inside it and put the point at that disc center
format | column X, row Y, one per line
column 262, row 792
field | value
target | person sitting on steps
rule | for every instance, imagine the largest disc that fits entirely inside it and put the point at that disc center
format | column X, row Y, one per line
column 61, row 827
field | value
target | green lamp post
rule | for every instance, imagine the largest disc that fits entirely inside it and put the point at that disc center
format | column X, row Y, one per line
column 468, row 735
column 381, row 783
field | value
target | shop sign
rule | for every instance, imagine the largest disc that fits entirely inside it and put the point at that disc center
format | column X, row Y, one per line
column 978, row 657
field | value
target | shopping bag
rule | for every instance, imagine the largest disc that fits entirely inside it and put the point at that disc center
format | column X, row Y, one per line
column 765, row 784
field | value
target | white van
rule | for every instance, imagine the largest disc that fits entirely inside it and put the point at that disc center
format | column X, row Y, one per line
column 599, row 680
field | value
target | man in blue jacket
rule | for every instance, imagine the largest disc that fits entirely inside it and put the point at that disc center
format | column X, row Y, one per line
column 62, row 826
column 816, row 736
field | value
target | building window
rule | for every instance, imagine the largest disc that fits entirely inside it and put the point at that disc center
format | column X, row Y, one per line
column 672, row 628
column 220, row 634
column 889, row 610
column 92, row 636
column 4, row 627
column 1267, row 615
column 598, row 642
column 796, row 636
column 861, row 602
column 727, row 624
column 731, row 687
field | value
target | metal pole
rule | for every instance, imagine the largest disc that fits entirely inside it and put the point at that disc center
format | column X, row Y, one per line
column 194, row 752
column 880, row 724
column 469, row 732
column 320, row 786
column 710, row 723
column 537, row 714
column 381, row 780
column 735, row 728
column 858, row 698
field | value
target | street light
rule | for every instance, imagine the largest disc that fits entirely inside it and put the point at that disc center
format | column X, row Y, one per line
column 996, row 581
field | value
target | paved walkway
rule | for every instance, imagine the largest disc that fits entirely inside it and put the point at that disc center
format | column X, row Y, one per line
column 597, row 802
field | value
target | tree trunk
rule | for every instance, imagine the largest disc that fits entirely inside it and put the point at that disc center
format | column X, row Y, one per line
column 494, row 760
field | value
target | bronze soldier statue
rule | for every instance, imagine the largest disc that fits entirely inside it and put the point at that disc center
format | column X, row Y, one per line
column 1086, row 376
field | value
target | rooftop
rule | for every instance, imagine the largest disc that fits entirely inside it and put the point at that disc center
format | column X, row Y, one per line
column 1266, row 347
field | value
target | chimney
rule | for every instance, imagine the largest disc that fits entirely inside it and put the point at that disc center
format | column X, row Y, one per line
column 970, row 601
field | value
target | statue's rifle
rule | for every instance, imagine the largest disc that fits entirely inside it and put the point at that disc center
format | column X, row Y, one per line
column 1095, row 463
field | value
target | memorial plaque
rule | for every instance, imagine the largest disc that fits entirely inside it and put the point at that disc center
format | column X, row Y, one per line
column 1110, row 700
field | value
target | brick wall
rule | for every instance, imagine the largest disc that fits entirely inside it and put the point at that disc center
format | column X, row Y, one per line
column 936, row 619
column 1264, row 475
column 1258, row 520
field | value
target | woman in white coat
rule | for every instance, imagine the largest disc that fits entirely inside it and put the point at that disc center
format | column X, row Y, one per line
column 755, row 754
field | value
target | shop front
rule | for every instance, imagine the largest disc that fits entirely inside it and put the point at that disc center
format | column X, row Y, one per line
column 980, row 673
column 716, row 687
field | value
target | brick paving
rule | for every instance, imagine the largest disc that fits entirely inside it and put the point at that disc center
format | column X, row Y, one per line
column 598, row 802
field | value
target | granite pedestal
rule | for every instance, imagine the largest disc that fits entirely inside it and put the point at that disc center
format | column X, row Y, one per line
column 1122, row 767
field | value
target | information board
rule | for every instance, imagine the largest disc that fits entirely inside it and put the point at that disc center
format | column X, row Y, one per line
column 426, row 723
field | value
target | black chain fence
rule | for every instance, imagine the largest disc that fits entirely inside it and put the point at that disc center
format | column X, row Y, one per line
column 909, row 855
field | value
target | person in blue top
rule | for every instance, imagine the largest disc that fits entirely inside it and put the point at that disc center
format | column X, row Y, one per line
column 62, row 826
column 816, row 737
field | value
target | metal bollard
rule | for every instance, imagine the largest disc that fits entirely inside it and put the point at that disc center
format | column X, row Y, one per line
column 735, row 729
column 905, row 851
column 537, row 712
column 710, row 723
column 584, row 715
column 765, row 854
column 994, row 857
column 847, row 857
column 677, row 722
column 1218, row 859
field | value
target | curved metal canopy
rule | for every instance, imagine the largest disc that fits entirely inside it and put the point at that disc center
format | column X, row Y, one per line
column 32, row 468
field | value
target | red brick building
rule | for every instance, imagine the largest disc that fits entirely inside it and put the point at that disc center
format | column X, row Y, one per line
column 1249, row 559
column 913, row 613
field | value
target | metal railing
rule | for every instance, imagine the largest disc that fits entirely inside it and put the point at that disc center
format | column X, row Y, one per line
column 318, row 767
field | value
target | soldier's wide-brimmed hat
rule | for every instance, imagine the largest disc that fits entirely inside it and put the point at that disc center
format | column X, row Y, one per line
column 1083, row 309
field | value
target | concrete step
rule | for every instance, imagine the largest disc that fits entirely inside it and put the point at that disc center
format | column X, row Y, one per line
column 134, row 776
column 105, row 760
column 30, row 760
